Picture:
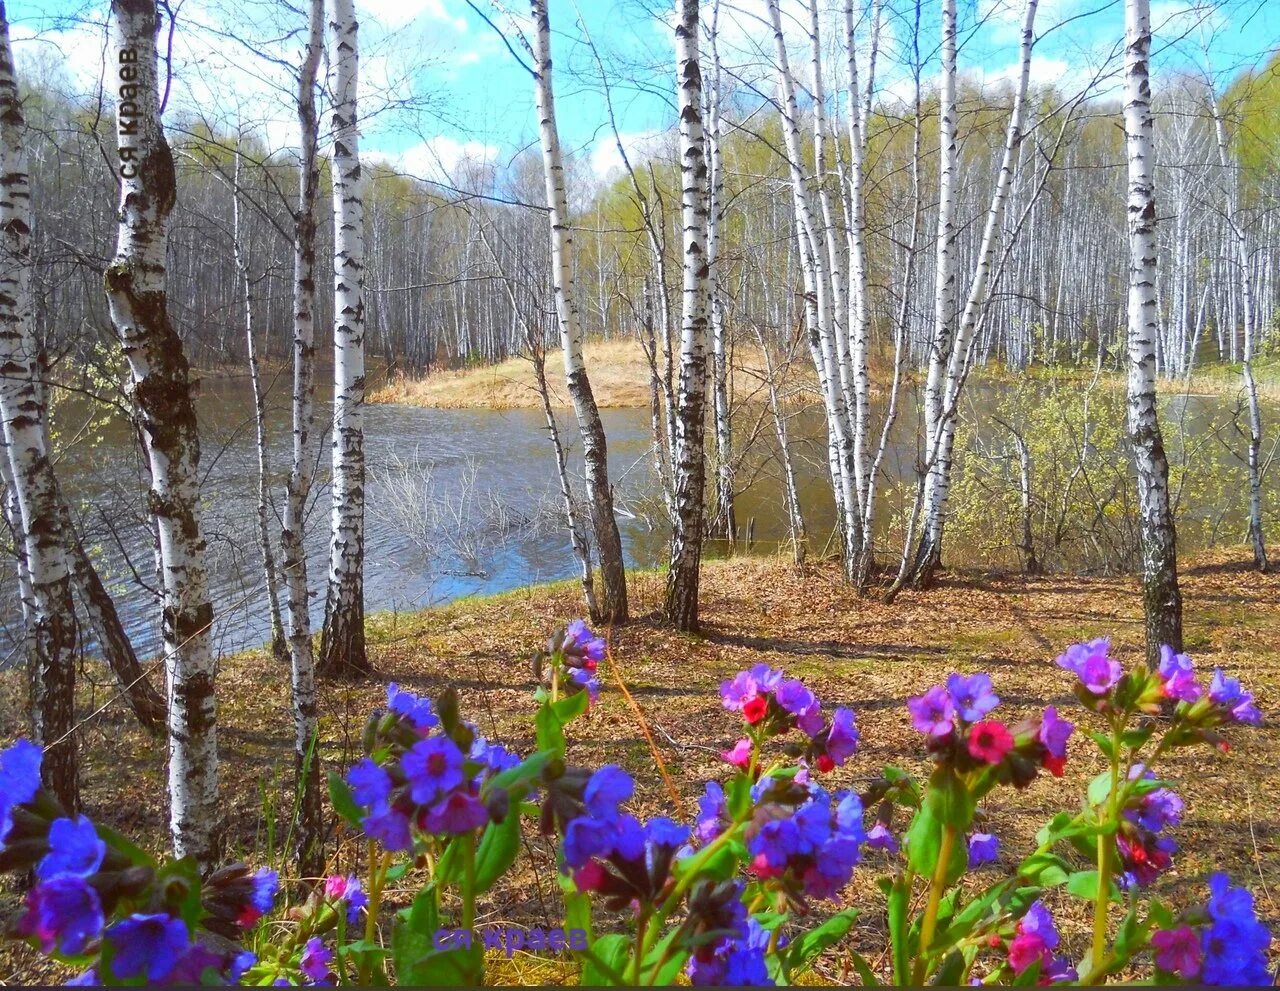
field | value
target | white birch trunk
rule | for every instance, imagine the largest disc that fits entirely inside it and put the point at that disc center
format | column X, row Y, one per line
column 1162, row 598
column 165, row 413
column 613, row 601
column 1248, row 308
column 690, row 462
column 279, row 649
column 342, row 645
column 719, row 358
column 51, row 609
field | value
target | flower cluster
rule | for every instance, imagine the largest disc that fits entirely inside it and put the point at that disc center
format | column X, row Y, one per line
column 92, row 900
column 954, row 717
column 731, row 945
column 571, row 661
column 773, row 705
column 803, row 839
column 1035, row 938
column 429, row 775
column 1223, row 944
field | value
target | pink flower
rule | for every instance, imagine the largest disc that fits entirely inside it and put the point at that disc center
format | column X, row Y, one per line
column 990, row 741
column 1178, row 951
column 1026, row 949
column 335, row 886
column 740, row 755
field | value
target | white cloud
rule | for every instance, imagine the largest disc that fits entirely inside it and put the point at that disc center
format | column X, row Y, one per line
column 606, row 161
column 394, row 13
column 439, row 158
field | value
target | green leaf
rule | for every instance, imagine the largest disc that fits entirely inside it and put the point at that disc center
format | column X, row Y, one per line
column 548, row 731
column 897, row 895
column 571, row 707
column 672, row 961
column 122, row 844
column 423, row 915
column 806, row 948
column 1105, row 743
column 947, row 804
column 1045, row 869
column 577, row 907
column 522, row 773
column 1084, row 884
column 865, row 974
column 605, row 963
column 1100, row 789
column 499, row 844
column 343, row 802
column 452, row 968
column 951, row 972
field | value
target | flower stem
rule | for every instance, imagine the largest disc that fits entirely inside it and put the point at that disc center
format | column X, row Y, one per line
column 468, row 881
column 937, row 885
column 377, row 875
column 1106, row 841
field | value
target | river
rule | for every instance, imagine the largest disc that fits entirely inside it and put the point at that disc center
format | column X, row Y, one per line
column 459, row 502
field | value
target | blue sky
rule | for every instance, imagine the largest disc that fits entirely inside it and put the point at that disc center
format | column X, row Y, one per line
column 461, row 93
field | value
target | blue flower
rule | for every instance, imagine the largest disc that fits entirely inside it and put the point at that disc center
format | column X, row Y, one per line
column 661, row 831
column 579, row 641
column 19, row 780
column 433, row 767
column 933, row 712
column 456, row 813
column 89, row 979
column 370, row 784
column 842, row 739
column 607, row 788
column 713, row 814
column 1235, row 943
column 880, row 837
column 315, row 960
column 1158, row 809
column 416, row 709
column 585, row 838
column 149, row 945
column 983, row 849
column 1178, row 674
column 63, row 913
column 74, row 848
column 972, row 696
column 1092, row 664
column 1229, row 694
column 390, row 827
column 265, row 885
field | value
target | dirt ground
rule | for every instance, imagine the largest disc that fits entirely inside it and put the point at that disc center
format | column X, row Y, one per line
column 851, row 651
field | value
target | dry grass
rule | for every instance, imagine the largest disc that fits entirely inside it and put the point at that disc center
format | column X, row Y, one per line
column 619, row 379
column 852, row 651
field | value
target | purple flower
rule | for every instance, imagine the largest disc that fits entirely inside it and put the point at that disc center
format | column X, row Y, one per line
column 460, row 812
column 712, row 813
column 1092, row 664
column 607, row 788
column 1178, row 675
column 63, row 913
column 315, row 961
column 842, row 740
column 793, row 696
column 1178, row 951
column 390, row 827
column 1055, row 732
column 74, row 848
column 417, row 710
column 587, row 679
column 972, row 695
column 933, row 712
column 880, row 837
column 1229, row 694
column 579, row 641
column 1039, row 922
column 494, row 756
column 584, row 838
column 1158, row 809
column 983, row 849
column 89, row 979
column 370, row 784
column 433, row 767
column 149, row 945
column 746, row 685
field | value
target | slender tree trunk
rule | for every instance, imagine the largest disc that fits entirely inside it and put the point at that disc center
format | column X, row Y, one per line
column 342, row 646
column 690, row 466
column 23, row 413
column 279, row 648
column 309, row 849
column 1161, row 596
column 719, row 357
column 166, row 414
column 1248, row 308
column 613, row 599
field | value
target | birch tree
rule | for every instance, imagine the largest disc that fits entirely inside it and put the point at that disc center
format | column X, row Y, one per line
column 613, row 592
column 292, row 537
column 1161, row 596
column 725, row 516
column 165, row 412
column 342, row 646
column 1247, row 310
column 51, row 614
column 690, row 462
column 949, row 353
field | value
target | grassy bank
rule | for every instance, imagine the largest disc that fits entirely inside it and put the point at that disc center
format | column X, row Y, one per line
column 620, row 380
column 852, row 651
